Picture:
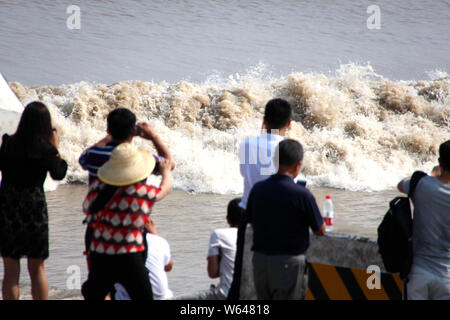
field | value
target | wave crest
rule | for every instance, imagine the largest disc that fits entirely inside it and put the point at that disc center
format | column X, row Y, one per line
column 360, row 130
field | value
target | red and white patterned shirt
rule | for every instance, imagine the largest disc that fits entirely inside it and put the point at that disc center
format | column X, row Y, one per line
column 118, row 227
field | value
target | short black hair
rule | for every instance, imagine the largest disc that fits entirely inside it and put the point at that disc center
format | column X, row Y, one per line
column 234, row 212
column 289, row 152
column 121, row 123
column 444, row 155
column 277, row 114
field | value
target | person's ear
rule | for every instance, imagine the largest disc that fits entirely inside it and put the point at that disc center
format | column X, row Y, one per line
column 289, row 124
column 264, row 125
column 299, row 166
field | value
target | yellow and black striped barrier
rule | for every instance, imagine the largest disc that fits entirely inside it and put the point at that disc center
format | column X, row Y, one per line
column 328, row 282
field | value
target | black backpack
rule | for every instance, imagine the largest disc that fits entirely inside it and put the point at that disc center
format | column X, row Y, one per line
column 395, row 232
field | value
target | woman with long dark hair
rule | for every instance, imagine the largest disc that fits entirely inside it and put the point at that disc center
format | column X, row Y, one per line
column 25, row 159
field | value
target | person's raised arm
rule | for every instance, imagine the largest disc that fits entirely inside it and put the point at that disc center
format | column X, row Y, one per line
column 104, row 141
column 149, row 133
column 164, row 167
column 400, row 185
column 83, row 159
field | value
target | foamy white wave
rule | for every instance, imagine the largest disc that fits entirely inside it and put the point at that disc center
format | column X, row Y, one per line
column 360, row 130
column 50, row 184
column 437, row 74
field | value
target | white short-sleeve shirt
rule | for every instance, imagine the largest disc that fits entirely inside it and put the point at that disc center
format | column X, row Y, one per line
column 223, row 243
column 256, row 160
column 158, row 256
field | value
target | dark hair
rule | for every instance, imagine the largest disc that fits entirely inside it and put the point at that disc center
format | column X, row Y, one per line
column 34, row 133
column 444, row 155
column 234, row 212
column 277, row 114
column 121, row 123
column 288, row 152
column 104, row 196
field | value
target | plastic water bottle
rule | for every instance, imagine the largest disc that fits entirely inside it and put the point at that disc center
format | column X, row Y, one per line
column 328, row 212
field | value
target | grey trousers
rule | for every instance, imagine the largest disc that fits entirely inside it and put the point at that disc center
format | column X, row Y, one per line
column 424, row 285
column 280, row 277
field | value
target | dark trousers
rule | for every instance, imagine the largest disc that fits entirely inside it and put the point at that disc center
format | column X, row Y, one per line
column 127, row 269
column 280, row 277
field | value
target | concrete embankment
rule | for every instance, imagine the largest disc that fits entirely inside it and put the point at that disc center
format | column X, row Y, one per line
column 342, row 267
column 339, row 270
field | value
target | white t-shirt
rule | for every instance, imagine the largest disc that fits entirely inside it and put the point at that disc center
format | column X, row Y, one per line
column 256, row 159
column 158, row 257
column 223, row 243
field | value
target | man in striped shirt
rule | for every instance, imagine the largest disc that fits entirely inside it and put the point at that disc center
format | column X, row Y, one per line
column 121, row 127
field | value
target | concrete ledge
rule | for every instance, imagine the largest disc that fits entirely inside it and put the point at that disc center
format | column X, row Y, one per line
column 332, row 249
column 344, row 251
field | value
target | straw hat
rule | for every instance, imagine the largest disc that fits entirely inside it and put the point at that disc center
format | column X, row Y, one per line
column 127, row 165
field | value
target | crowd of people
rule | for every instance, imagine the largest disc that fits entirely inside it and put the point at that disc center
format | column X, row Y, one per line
column 126, row 257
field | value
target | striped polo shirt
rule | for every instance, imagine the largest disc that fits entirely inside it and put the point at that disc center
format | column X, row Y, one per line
column 94, row 157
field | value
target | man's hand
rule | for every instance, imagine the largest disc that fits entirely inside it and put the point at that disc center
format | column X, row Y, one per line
column 321, row 231
column 148, row 132
column 165, row 166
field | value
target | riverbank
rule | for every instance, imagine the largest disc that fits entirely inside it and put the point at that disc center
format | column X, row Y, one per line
column 54, row 293
column 350, row 253
column 186, row 221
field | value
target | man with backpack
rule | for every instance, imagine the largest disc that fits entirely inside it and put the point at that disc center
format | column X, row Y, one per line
column 429, row 278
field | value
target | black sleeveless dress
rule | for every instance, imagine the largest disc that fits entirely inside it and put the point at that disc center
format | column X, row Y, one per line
column 23, row 207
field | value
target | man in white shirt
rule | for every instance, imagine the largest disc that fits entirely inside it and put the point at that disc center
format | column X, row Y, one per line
column 158, row 262
column 256, row 154
column 221, row 253
column 256, row 161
